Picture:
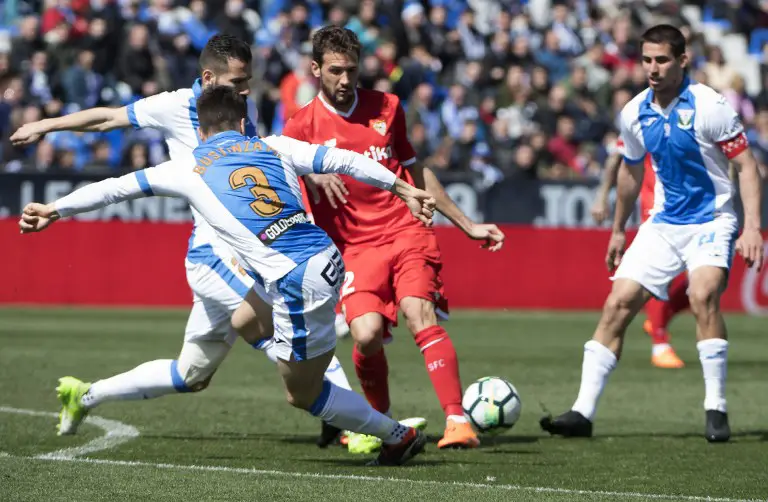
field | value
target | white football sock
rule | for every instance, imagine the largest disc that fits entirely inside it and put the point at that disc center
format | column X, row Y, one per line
column 598, row 364
column 349, row 411
column 335, row 372
column 713, row 355
column 146, row 381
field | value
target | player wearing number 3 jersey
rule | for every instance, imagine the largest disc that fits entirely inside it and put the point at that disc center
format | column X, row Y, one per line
column 247, row 190
column 217, row 281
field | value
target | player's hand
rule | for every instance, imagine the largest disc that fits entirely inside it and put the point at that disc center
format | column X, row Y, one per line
column 420, row 203
column 493, row 237
column 750, row 247
column 600, row 209
column 330, row 184
column 26, row 135
column 37, row 217
column 615, row 250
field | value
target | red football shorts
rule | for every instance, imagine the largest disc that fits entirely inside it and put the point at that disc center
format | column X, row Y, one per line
column 379, row 277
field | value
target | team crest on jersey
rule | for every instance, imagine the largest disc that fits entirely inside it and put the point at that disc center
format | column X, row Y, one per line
column 379, row 126
column 684, row 119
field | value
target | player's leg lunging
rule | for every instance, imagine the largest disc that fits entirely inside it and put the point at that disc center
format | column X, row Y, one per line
column 707, row 284
column 191, row 372
column 600, row 357
column 305, row 336
column 443, row 367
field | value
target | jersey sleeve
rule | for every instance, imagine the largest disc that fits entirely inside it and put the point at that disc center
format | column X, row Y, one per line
column 153, row 112
column 160, row 180
column 632, row 149
column 307, row 158
column 405, row 152
column 304, row 158
column 723, row 127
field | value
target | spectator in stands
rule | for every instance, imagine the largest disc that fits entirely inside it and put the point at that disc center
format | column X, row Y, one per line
column 719, row 74
column 135, row 65
column 736, row 94
column 508, row 72
column 136, row 157
column 26, row 43
column 299, row 86
column 82, row 85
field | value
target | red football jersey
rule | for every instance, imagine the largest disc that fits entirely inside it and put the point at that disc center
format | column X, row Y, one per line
column 375, row 127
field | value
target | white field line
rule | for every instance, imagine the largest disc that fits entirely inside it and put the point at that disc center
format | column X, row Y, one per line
column 118, row 433
column 382, row 479
column 115, row 434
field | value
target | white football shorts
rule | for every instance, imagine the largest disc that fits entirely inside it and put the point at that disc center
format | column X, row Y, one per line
column 219, row 283
column 660, row 251
column 304, row 306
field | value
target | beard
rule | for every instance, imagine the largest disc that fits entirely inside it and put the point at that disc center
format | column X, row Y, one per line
column 338, row 100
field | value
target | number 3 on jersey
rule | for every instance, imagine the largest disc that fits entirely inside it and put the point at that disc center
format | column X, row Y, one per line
column 267, row 203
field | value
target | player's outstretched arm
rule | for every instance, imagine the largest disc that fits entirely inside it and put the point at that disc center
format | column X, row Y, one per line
column 307, row 158
column 160, row 180
column 94, row 120
column 425, row 179
column 360, row 167
column 750, row 243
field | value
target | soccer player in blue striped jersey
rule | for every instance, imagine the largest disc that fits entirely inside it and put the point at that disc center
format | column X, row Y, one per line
column 217, row 281
column 691, row 134
column 247, row 190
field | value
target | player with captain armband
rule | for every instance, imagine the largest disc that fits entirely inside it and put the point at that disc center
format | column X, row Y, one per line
column 691, row 134
column 247, row 190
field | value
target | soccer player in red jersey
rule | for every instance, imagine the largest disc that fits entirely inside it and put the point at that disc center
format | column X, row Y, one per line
column 391, row 261
column 658, row 313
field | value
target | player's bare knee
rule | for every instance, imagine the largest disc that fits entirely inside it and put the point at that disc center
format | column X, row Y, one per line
column 703, row 300
column 419, row 313
column 302, row 397
column 368, row 333
column 617, row 305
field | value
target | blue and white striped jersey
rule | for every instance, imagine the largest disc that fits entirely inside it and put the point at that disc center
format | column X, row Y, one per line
column 175, row 115
column 247, row 190
column 689, row 143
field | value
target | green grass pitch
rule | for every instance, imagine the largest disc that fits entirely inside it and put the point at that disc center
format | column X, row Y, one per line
column 239, row 440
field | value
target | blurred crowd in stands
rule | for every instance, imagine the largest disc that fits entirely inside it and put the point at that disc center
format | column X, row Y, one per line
column 494, row 89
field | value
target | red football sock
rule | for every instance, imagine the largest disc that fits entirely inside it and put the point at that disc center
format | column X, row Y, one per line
column 678, row 301
column 443, row 367
column 373, row 373
column 654, row 309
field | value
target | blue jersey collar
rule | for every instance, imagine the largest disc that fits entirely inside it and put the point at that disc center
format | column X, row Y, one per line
column 682, row 93
column 223, row 136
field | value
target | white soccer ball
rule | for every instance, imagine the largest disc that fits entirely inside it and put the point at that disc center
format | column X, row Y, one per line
column 492, row 405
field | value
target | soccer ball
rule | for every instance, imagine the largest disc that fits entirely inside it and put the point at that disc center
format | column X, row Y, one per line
column 492, row 405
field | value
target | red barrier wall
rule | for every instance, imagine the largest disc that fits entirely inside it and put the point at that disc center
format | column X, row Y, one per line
column 133, row 264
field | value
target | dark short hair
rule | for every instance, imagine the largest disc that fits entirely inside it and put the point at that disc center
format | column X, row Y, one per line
column 220, row 49
column 666, row 34
column 220, row 108
column 334, row 39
